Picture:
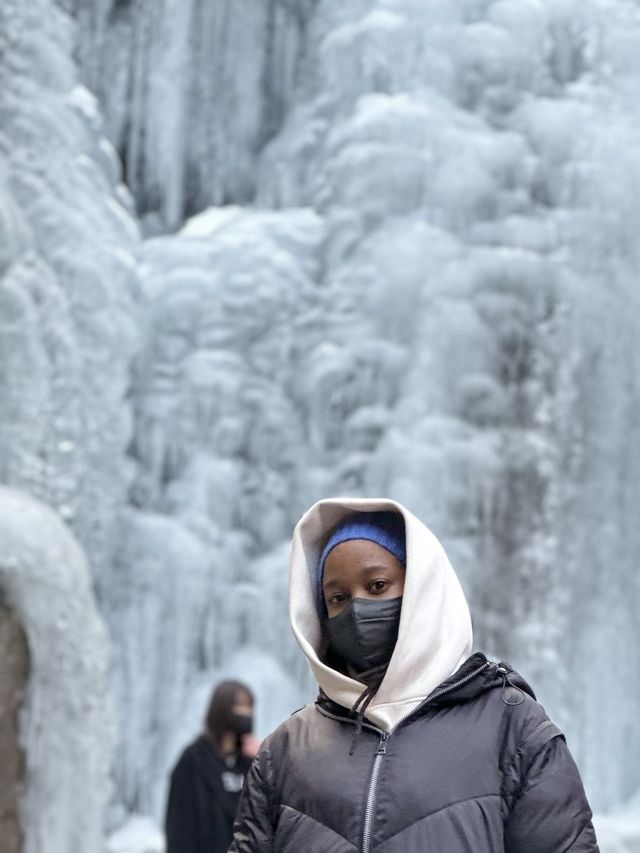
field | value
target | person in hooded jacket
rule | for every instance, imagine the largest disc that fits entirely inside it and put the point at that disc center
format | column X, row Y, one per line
column 206, row 782
column 414, row 744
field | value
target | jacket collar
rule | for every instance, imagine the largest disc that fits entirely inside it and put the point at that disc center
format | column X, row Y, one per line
column 475, row 676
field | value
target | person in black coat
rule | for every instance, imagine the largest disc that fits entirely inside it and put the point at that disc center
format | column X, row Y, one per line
column 414, row 744
column 206, row 781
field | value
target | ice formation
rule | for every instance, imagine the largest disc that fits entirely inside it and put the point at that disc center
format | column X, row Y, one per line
column 67, row 721
column 68, row 284
column 191, row 90
column 412, row 272
column 68, row 289
column 462, row 336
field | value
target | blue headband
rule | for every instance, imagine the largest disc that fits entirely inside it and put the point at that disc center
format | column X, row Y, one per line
column 384, row 528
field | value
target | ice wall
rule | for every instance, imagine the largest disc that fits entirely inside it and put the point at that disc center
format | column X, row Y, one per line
column 191, row 90
column 480, row 213
column 463, row 337
column 432, row 295
column 66, row 722
column 219, row 479
column 68, row 296
column 68, row 283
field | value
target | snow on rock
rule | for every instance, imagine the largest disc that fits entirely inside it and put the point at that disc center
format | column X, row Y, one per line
column 66, row 723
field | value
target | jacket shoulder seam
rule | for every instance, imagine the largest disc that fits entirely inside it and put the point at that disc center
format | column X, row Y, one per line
column 520, row 753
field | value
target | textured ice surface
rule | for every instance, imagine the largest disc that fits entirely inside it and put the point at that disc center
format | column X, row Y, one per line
column 432, row 294
column 67, row 716
column 68, row 283
column 462, row 335
column 469, row 162
column 191, row 90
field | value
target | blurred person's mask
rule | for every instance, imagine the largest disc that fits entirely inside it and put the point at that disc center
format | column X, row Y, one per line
column 242, row 724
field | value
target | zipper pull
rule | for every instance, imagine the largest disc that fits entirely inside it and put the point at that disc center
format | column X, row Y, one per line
column 382, row 746
column 508, row 687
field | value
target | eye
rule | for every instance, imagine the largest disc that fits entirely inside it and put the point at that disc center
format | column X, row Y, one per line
column 378, row 586
column 337, row 598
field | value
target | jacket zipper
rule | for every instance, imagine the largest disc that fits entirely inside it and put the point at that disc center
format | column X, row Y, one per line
column 382, row 748
column 373, row 785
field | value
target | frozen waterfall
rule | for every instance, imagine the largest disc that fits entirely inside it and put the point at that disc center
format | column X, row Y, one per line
column 410, row 268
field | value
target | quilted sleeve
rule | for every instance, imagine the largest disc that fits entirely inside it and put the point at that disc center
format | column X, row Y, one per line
column 548, row 809
column 253, row 829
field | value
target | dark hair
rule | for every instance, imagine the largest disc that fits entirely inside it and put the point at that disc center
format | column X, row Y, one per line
column 219, row 717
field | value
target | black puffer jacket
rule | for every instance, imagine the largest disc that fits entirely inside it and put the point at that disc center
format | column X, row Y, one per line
column 477, row 768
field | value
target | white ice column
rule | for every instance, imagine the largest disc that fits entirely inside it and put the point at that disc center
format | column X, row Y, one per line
column 66, row 728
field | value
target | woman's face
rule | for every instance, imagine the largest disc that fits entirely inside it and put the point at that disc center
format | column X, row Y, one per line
column 360, row 568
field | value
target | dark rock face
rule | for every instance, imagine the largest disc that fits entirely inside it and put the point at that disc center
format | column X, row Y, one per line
column 14, row 670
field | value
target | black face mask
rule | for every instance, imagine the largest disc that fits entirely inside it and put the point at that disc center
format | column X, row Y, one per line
column 242, row 724
column 364, row 635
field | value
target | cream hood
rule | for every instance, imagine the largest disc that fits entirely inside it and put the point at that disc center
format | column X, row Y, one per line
column 435, row 634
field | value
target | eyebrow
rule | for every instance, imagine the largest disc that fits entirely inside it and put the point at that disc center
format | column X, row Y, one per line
column 373, row 567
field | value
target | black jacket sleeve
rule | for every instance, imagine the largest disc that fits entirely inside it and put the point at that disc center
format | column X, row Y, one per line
column 549, row 812
column 181, row 819
column 253, row 829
